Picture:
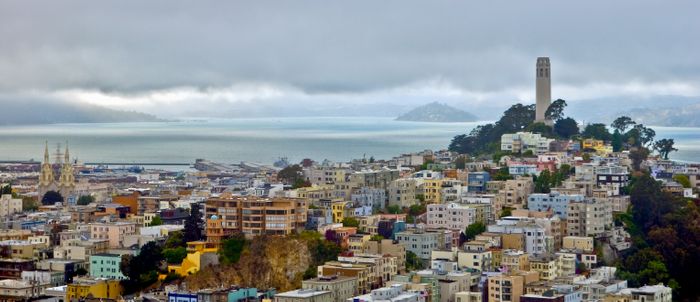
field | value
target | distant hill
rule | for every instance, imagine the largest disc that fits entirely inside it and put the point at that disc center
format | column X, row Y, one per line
column 681, row 116
column 30, row 111
column 438, row 113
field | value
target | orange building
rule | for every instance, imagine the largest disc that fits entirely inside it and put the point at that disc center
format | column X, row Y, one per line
column 130, row 201
column 250, row 215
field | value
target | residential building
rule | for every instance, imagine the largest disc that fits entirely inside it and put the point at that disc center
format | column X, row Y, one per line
column 341, row 288
column 456, row 216
column 514, row 261
column 115, row 232
column 553, row 201
column 525, row 141
column 372, row 197
column 395, row 293
column 590, row 217
column 9, row 205
column 18, row 290
column 402, row 192
column 106, row 266
column 420, row 242
column 252, row 216
column 476, row 181
column 547, row 265
column 96, row 288
column 514, row 193
column 578, row 243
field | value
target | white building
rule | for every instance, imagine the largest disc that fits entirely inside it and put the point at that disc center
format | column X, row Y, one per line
column 394, row 293
column 524, row 141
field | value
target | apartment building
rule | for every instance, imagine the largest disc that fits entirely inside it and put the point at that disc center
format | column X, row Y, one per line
column 421, row 242
column 114, row 232
column 514, row 193
column 371, row 271
column 252, row 216
column 402, row 192
column 372, row 197
column 514, row 261
column 9, row 205
column 525, row 141
column 547, row 265
column 476, row 181
column 556, row 202
column 341, row 288
column 106, row 265
column 591, row 217
column 456, row 216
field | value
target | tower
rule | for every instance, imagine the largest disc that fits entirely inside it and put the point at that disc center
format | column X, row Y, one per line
column 543, row 88
column 65, row 184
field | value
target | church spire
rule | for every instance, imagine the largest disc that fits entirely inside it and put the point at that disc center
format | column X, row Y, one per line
column 67, row 156
column 46, row 152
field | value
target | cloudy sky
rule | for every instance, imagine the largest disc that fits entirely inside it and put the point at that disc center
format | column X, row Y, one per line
column 177, row 58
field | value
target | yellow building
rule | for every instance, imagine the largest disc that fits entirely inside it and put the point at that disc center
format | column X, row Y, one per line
column 598, row 145
column 338, row 211
column 98, row 288
column 545, row 265
column 515, row 261
column 432, row 189
column 193, row 262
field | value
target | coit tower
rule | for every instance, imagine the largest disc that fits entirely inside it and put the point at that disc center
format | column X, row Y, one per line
column 543, row 88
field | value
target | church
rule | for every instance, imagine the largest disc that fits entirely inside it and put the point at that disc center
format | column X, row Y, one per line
column 65, row 183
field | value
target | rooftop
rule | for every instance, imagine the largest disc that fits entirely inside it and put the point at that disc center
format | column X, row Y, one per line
column 303, row 293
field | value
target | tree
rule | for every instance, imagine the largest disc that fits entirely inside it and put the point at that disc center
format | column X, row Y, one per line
column 664, row 147
column 29, row 204
column 85, row 200
column 543, row 182
column 683, row 180
column 566, row 127
column 377, row 238
column 174, row 255
column 291, row 174
column 175, row 239
column 540, row 128
column 351, row 222
column 474, row 229
column 141, row 270
column 638, row 155
column 413, row 262
column 393, row 209
column 506, row 212
column 616, row 141
column 597, row 131
column 503, row 174
column 621, row 124
column 555, row 111
column 193, row 224
column 51, row 198
column 156, row 221
column 232, row 248
column 6, row 190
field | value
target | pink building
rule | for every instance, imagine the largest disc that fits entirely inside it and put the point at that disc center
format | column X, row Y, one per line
column 112, row 231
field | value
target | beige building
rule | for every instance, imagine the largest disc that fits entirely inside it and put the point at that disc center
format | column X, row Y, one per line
column 9, row 205
column 591, row 217
column 468, row 297
column 18, row 290
column 514, row 261
column 371, row 271
column 115, row 232
column 18, row 249
column 341, row 288
column 546, row 265
column 578, row 243
column 253, row 216
column 402, row 192
column 77, row 249
column 514, row 193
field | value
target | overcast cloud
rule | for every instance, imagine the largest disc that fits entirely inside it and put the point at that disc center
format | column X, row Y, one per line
column 153, row 55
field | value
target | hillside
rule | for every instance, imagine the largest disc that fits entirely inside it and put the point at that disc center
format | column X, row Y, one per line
column 682, row 116
column 437, row 113
column 47, row 111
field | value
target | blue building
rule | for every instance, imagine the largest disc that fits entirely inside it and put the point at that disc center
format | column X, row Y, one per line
column 476, row 181
column 558, row 203
column 182, row 297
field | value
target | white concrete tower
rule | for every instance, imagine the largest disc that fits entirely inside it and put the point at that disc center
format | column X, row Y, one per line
column 543, row 88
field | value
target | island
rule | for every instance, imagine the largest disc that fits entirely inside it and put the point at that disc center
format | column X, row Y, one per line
column 437, row 113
